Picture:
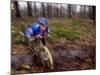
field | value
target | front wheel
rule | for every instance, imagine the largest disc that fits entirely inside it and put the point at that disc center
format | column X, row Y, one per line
column 46, row 58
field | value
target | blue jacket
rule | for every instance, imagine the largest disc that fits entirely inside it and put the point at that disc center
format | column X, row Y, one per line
column 34, row 30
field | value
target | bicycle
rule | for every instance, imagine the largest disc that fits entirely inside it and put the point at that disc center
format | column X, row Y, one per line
column 43, row 53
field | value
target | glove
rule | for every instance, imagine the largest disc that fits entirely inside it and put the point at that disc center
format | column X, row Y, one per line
column 38, row 36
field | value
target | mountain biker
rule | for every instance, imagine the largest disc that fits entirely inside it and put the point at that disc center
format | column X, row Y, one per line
column 39, row 29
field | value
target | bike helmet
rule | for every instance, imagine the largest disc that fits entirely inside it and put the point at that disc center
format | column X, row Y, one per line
column 42, row 21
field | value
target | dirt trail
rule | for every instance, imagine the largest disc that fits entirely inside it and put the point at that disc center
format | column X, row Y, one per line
column 73, row 59
column 65, row 59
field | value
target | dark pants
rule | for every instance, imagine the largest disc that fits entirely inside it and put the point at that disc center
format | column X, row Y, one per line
column 43, row 41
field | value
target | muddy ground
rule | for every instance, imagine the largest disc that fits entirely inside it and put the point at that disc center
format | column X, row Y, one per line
column 67, row 57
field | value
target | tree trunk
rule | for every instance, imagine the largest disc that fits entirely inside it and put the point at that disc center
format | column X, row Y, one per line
column 48, row 10
column 35, row 10
column 94, row 14
column 17, row 9
column 60, row 11
column 29, row 9
column 43, row 10
column 57, row 11
column 84, row 12
column 90, row 12
column 69, row 10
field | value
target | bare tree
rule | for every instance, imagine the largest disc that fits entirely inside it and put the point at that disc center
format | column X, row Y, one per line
column 69, row 11
column 48, row 10
column 43, row 10
column 17, row 8
column 94, row 14
column 57, row 10
column 35, row 9
column 84, row 11
column 73, row 10
column 60, row 10
column 12, row 10
column 29, row 8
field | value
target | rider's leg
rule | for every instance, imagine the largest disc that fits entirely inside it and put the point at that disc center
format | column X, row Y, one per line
column 43, row 41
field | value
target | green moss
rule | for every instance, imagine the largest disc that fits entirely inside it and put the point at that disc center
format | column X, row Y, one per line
column 64, row 32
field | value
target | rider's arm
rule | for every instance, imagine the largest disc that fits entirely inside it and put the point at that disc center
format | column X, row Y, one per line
column 47, row 31
column 28, row 34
